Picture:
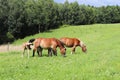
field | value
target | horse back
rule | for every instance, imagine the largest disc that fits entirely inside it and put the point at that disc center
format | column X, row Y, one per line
column 70, row 42
column 46, row 42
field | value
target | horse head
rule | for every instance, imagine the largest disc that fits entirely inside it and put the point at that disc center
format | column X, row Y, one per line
column 63, row 51
column 62, row 48
column 83, row 46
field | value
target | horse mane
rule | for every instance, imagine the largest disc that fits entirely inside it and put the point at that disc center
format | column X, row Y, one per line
column 61, row 42
column 82, row 44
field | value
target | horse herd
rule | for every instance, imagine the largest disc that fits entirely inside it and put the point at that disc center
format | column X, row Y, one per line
column 51, row 44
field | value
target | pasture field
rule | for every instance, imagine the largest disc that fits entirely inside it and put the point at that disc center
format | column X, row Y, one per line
column 102, row 61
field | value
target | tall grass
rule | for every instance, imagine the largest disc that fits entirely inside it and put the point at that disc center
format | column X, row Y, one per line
column 102, row 61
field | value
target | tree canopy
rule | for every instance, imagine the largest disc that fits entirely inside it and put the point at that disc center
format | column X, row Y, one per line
column 26, row 17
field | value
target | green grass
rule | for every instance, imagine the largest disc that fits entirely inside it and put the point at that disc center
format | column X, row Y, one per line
column 102, row 61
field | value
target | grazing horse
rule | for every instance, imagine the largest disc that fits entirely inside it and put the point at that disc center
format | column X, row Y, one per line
column 26, row 46
column 48, row 43
column 73, row 42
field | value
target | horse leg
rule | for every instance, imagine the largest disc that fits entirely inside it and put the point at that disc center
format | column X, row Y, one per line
column 40, row 52
column 23, row 52
column 28, row 52
column 34, row 52
column 73, row 50
column 54, row 51
column 49, row 52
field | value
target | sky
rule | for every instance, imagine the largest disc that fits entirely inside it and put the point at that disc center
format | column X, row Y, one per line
column 96, row 3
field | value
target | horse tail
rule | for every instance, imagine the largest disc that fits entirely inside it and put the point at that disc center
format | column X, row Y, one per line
column 31, row 40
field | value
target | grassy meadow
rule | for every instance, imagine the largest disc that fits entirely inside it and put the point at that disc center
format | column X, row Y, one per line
column 102, row 61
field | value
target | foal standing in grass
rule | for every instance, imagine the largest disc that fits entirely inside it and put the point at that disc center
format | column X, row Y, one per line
column 26, row 46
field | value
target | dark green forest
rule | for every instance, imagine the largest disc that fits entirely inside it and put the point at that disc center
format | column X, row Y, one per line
column 20, row 18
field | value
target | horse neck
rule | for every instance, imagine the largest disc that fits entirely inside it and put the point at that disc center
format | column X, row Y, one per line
column 81, row 44
column 60, row 44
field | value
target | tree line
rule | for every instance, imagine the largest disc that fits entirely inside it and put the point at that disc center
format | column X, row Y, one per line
column 26, row 17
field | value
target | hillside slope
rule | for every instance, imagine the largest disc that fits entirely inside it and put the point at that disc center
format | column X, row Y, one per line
column 102, row 61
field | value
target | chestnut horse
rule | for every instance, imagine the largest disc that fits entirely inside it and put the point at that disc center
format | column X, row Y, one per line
column 26, row 46
column 73, row 42
column 47, row 43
